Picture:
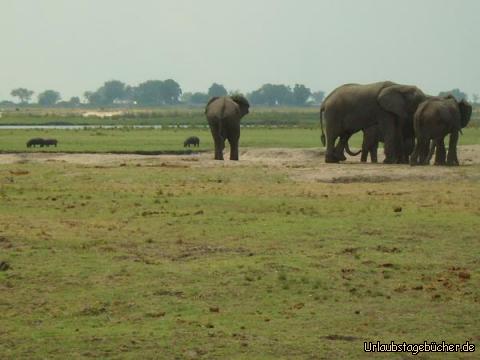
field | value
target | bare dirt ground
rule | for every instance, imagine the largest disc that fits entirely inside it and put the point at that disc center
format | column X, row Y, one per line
column 302, row 164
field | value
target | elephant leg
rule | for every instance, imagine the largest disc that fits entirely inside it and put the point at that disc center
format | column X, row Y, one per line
column 340, row 148
column 365, row 149
column 408, row 144
column 218, row 141
column 401, row 147
column 440, row 153
column 374, row 153
column 330, row 152
column 423, row 151
column 364, row 156
column 390, row 141
column 452, row 159
column 233, row 141
column 415, row 154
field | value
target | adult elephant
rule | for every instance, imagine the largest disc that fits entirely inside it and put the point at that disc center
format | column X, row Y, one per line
column 434, row 119
column 354, row 107
column 224, row 114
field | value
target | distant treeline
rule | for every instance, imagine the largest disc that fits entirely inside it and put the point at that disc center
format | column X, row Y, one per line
column 168, row 92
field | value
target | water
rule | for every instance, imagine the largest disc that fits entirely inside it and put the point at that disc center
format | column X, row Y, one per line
column 87, row 127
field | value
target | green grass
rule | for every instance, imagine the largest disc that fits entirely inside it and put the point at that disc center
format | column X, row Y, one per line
column 192, row 116
column 144, row 261
column 157, row 116
column 150, row 140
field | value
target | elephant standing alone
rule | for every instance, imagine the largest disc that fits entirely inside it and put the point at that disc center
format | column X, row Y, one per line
column 434, row 119
column 224, row 114
column 353, row 107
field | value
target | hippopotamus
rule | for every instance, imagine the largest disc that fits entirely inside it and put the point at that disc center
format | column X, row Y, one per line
column 42, row 142
column 192, row 140
column 48, row 142
column 35, row 141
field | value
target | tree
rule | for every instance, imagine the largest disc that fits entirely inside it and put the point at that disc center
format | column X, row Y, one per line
column 129, row 93
column 457, row 94
column 48, row 98
column 106, row 94
column 301, row 94
column 217, row 90
column 112, row 90
column 256, row 97
column 23, row 94
column 199, row 98
column 93, row 97
column 318, row 96
column 475, row 98
column 74, row 101
column 149, row 93
column 186, row 97
column 272, row 95
column 171, row 92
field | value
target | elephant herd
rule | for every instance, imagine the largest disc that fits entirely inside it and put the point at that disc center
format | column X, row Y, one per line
column 402, row 116
column 411, row 124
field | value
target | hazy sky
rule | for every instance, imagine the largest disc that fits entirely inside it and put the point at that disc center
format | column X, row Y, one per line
column 75, row 45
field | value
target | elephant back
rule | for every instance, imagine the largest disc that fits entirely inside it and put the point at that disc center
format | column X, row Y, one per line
column 222, row 108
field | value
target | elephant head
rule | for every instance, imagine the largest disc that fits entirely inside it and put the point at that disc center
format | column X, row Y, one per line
column 242, row 103
column 465, row 112
column 401, row 100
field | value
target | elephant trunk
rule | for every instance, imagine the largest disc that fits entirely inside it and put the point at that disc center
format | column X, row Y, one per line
column 322, row 138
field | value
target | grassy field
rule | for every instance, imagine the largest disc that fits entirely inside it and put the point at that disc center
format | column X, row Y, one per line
column 156, row 116
column 231, row 262
column 193, row 116
column 161, row 140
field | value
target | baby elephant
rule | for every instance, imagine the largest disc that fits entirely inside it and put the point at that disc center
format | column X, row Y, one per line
column 192, row 140
column 371, row 137
column 434, row 119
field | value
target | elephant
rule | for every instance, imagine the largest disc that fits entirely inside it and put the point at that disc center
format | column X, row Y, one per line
column 192, row 140
column 354, row 107
column 224, row 114
column 371, row 137
column 434, row 119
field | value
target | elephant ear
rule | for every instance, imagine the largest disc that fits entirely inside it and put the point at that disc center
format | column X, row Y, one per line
column 465, row 112
column 240, row 100
column 392, row 100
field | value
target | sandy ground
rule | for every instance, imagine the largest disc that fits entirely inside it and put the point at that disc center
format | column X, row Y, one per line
column 301, row 164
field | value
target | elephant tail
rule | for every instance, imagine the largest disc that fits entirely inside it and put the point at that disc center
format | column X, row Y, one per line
column 322, row 138
column 347, row 148
column 221, row 122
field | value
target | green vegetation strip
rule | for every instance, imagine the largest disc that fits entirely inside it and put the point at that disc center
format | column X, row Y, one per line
column 157, row 141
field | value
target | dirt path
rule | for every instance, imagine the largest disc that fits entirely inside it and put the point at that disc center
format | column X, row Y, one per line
column 302, row 164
